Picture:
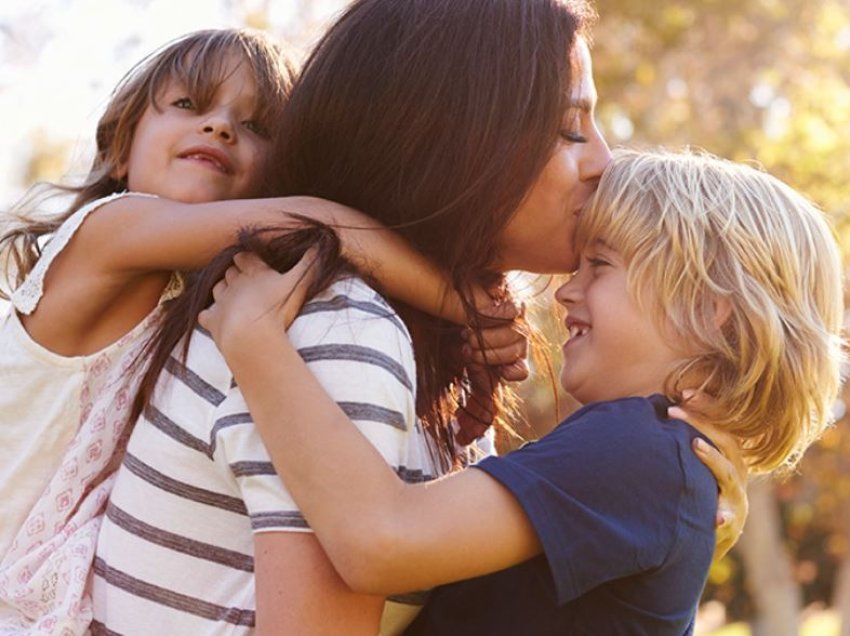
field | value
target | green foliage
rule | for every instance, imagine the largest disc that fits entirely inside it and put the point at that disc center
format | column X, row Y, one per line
column 760, row 80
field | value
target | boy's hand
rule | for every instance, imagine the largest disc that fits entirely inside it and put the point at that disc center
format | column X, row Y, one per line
column 253, row 294
column 729, row 469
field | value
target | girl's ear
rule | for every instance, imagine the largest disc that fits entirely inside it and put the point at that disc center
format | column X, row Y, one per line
column 721, row 309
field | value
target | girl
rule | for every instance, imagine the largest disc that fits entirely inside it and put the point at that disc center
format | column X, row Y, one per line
column 187, row 128
column 696, row 275
column 469, row 126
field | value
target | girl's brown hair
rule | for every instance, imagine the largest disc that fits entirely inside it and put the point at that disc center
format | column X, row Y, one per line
column 199, row 61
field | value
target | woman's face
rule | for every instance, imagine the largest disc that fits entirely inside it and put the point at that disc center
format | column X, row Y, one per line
column 539, row 236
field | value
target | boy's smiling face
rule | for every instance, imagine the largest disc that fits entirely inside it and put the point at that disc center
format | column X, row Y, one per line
column 614, row 349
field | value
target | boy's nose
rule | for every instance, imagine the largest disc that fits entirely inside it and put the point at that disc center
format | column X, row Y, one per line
column 568, row 293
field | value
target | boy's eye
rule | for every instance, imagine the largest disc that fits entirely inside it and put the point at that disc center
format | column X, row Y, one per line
column 573, row 137
column 184, row 103
column 597, row 262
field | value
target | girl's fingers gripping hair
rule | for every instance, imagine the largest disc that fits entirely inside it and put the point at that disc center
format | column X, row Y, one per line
column 477, row 414
column 515, row 372
column 501, row 345
column 499, row 313
column 497, row 336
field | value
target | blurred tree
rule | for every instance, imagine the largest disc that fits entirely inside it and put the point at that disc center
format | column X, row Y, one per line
column 765, row 81
column 768, row 565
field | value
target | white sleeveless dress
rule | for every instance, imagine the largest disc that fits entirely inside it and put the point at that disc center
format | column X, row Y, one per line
column 62, row 429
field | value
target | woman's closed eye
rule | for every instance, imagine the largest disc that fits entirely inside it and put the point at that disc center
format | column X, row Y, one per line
column 573, row 137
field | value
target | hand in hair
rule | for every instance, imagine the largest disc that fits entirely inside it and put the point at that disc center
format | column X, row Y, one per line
column 502, row 339
column 478, row 412
column 251, row 291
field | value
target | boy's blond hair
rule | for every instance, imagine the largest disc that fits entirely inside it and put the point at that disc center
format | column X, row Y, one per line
column 703, row 237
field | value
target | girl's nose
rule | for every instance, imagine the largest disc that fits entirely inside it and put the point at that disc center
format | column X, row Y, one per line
column 219, row 126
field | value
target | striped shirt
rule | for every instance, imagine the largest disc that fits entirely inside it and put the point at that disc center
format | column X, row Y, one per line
column 175, row 551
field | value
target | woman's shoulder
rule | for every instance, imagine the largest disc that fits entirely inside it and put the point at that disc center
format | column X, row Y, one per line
column 350, row 302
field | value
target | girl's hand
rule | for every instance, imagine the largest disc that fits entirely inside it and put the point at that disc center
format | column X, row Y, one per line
column 503, row 344
column 253, row 294
column 479, row 411
column 728, row 467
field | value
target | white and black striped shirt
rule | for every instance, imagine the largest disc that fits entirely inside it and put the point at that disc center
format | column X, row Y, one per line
column 175, row 552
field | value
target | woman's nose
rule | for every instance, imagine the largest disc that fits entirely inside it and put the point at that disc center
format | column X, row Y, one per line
column 596, row 159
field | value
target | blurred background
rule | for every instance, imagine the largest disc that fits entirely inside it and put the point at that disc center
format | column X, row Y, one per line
column 766, row 81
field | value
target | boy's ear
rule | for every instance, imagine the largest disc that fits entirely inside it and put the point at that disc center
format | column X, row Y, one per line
column 721, row 309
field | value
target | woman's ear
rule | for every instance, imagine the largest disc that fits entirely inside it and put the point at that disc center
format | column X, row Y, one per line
column 721, row 310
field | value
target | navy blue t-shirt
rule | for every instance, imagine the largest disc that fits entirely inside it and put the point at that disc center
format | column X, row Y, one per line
column 625, row 513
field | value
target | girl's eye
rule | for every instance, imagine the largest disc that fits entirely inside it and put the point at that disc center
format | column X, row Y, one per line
column 573, row 137
column 183, row 103
column 255, row 127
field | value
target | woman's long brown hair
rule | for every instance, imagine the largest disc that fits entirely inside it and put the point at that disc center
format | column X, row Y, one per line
column 280, row 247
column 434, row 117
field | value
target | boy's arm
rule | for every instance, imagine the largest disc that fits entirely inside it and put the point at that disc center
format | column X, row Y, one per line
column 300, row 592
column 381, row 534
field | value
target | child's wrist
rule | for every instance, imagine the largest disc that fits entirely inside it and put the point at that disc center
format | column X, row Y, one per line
column 248, row 341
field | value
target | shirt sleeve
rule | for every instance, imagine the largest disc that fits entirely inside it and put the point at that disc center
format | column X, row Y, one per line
column 602, row 492
column 362, row 355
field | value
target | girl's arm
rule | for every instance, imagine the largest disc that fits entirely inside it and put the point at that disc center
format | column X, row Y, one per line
column 134, row 236
column 113, row 271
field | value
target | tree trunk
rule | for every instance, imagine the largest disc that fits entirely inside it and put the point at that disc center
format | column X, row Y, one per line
column 841, row 600
column 768, row 567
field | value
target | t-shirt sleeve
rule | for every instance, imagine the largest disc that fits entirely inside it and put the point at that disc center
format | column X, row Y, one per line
column 602, row 492
column 362, row 355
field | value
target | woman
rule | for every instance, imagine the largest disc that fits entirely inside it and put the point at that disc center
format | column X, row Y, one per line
column 467, row 126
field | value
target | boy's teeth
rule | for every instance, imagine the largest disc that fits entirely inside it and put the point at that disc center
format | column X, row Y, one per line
column 575, row 330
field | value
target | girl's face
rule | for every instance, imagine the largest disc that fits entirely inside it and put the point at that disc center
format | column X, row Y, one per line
column 539, row 236
column 614, row 349
column 194, row 156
